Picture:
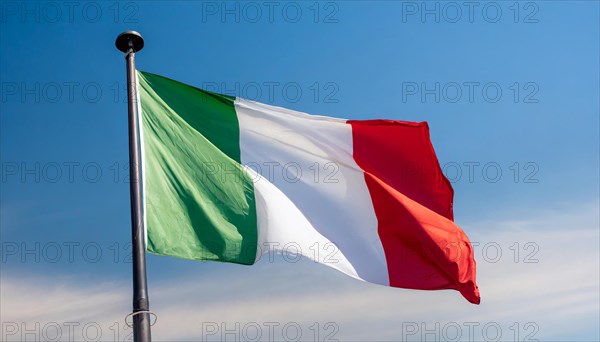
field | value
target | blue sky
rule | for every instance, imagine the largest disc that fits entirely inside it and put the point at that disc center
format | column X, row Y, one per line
column 510, row 91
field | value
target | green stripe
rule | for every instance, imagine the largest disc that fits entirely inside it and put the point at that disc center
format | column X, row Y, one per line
column 199, row 200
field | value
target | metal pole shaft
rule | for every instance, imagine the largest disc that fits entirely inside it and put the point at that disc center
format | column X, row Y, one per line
column 141, row 321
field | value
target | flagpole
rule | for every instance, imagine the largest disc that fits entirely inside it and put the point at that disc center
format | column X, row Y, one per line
column 130, row 42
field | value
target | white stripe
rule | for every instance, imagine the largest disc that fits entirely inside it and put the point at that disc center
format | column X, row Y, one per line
column 309, row 190
column 142, row 179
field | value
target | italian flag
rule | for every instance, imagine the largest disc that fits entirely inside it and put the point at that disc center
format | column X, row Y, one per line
column 228, row 179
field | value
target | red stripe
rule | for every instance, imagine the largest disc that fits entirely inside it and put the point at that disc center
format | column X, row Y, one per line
column 412, row 199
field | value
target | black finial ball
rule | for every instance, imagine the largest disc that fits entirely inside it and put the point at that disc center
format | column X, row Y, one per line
column 124, row 39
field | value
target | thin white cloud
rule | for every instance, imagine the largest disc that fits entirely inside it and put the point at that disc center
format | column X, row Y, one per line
column 555, row 297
